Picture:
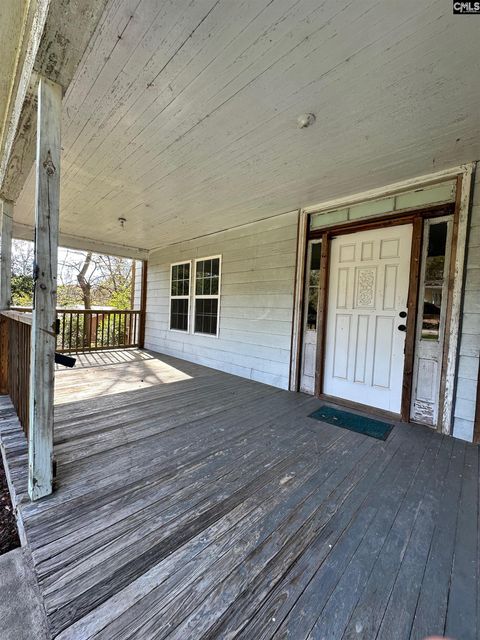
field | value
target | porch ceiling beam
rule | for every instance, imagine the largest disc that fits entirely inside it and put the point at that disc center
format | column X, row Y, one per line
column 43, row 338
column 26, row 232
column 56, row 46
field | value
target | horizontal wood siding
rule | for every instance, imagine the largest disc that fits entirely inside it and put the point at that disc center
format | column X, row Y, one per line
column 258, row 271
column 467, row 380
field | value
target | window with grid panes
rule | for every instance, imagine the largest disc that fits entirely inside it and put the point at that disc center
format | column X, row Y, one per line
column 179, row 296
column 207, row 295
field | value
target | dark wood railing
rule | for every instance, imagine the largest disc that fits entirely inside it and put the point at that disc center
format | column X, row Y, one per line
column 79, row 330
column 15, row 330
column 83, row 330
column 92, row 330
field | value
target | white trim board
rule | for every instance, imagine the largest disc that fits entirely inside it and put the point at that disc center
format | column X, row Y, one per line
column 25, row 232
column 391, row 189
column 457, row 299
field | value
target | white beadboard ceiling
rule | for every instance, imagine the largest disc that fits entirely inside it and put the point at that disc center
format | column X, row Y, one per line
column 182, row 115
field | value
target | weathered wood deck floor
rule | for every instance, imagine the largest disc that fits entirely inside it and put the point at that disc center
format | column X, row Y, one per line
column 213, row 507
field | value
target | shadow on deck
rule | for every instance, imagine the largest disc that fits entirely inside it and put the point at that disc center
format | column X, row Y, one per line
column 195, row 504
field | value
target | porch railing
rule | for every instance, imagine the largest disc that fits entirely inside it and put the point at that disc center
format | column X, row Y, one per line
column 83, row 330
column 92, row 330
column 79, row 330
column 15, row 330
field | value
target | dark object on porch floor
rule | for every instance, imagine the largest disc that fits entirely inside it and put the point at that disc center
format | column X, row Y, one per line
column 353, row 422
column 8, row 527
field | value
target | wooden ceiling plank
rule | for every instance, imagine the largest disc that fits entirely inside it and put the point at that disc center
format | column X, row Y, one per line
column 153, row 51
column 244, row 52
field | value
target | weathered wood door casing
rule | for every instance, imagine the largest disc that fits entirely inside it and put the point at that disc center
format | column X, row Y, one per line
column 368, row 290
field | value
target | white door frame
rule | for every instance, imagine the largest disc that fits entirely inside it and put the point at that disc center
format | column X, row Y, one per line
column 463, row 174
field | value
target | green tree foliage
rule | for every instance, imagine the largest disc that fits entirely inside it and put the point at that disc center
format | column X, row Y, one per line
column 22, row 290
column 121, row 298
column 22, row 273
column 68, row 296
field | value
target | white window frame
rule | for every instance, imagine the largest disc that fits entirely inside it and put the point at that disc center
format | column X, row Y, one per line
column 187, row 297
column 207, row 297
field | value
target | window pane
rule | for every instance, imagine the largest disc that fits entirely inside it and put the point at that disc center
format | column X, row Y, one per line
column 186, row 279
column 179, row 314
column 312, row 290
column 180, row 279
column 199, row 279
column 312, row 308
column 315, row 257
column 214, row 285
column 207, row 284
column 434, row 280
column 206, row 316
column 208, row 275
column 208, row 269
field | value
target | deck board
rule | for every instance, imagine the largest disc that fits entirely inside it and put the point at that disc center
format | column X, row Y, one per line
column 194, row 504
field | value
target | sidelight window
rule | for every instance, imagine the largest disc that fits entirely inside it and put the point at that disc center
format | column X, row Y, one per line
column 434, row 282
column 312, row 285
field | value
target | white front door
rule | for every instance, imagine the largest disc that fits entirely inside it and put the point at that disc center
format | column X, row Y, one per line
column 368, row 290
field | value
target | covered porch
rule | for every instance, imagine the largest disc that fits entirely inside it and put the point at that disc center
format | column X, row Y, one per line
column 251, row 157
column 191, row 503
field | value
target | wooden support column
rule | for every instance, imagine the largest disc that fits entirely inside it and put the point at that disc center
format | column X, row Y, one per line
column 6, row 255
column 47, row 193
column 143, row 305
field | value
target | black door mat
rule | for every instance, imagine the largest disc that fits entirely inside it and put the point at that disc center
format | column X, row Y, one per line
column 353, row 422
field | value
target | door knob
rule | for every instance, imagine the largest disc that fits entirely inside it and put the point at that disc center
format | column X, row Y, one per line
column 402, row 327
column 403, row 314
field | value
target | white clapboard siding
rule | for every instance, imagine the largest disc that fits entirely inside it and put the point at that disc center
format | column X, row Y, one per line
column 467, row 380
column 258, row 271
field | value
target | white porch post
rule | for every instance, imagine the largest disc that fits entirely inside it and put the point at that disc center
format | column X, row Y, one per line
column 47, row 192
column 6, row 254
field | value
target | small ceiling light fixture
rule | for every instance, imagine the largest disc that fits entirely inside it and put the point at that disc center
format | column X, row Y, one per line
column 305, row 120
column 122, row 222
